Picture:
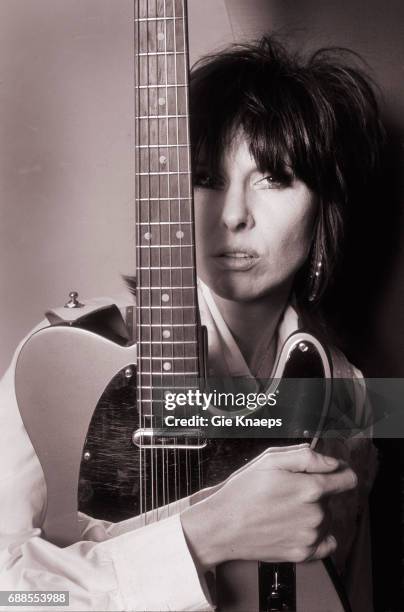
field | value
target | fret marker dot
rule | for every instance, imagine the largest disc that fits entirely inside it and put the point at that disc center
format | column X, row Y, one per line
column 147, row 236
column 179, row 234
column 165, row 297
column 166, row 333
column 162, row 160
column 160, row 36
column 162, row 101
column 166, row 366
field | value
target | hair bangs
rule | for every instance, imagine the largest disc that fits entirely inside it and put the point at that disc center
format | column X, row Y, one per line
column 287, row 124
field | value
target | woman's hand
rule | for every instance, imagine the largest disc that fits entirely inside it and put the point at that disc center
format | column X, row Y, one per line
column 273, row 509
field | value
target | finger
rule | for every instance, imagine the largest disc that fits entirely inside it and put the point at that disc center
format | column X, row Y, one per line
column 300, row 459
column 326, row 548
column 337, row 482
column 96, row 533
column 268, row 451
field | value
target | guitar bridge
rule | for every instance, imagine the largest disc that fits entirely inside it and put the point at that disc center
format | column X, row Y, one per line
column 148, row 438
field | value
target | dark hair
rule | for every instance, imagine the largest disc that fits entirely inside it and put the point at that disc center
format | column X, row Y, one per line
column 317, row 114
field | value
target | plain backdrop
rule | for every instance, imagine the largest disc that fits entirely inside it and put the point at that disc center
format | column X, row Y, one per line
column 66, row 116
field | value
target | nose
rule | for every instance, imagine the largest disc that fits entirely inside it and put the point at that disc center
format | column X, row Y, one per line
column 236, row 213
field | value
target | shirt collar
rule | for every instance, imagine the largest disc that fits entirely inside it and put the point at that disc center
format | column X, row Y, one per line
column 225, row 357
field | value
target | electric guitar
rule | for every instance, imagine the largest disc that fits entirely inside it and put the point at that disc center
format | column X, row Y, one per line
column 92, row 400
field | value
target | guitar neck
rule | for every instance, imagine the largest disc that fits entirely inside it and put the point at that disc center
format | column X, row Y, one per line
column 167, row 310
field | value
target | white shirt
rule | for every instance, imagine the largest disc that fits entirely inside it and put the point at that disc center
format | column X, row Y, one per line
column 131, row 566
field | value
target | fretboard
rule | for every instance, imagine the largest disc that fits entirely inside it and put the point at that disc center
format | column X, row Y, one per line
column 167, row 315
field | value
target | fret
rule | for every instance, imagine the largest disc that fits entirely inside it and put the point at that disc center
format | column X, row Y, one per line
column 166, row 268
column 165, row 342
column 144, row 117
column 170, row 358
column 141, row 19
column 148, row 53
column 164, row 199
column 165, row 325
column 154, row 400
column 161, row 174
column 165, row 307
column 173, row 373
column 160, row 146
column 163, row 246
column 162, row 288
column 164, row 388
column 179, row 223
column 163, row 86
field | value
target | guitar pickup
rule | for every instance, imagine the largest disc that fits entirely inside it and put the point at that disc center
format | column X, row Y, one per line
column 148, row 437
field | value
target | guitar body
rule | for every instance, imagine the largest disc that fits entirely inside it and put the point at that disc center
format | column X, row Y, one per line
column 60, row 377
column 60, row 419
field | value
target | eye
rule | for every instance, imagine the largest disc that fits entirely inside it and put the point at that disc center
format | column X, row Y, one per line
column 274, row 181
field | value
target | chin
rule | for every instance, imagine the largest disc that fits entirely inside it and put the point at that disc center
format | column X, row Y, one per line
column 237, row 291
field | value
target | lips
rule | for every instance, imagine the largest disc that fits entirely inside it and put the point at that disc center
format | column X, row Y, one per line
column 236, row 259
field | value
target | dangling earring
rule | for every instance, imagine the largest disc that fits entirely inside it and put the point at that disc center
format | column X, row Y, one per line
column 316, row 274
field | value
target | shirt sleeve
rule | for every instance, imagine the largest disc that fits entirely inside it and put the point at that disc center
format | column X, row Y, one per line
column 133, row 567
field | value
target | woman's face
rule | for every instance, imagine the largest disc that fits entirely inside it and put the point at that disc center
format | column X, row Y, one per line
column 253, row 230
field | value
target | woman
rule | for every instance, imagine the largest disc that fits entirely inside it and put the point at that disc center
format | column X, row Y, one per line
column 281, row 149
column 279, row 146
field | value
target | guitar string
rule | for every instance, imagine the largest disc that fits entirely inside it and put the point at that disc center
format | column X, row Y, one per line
column 177, row 452
column 138, row 214
column 166, row 39
column 142, row 297
column 150, row 194
column 155, row 192
column 181, row 283
column 182, row 4
column 160, row 208
column 190, row 193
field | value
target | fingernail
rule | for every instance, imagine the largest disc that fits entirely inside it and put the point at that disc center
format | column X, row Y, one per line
column 331, row 461
column 332, row 540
